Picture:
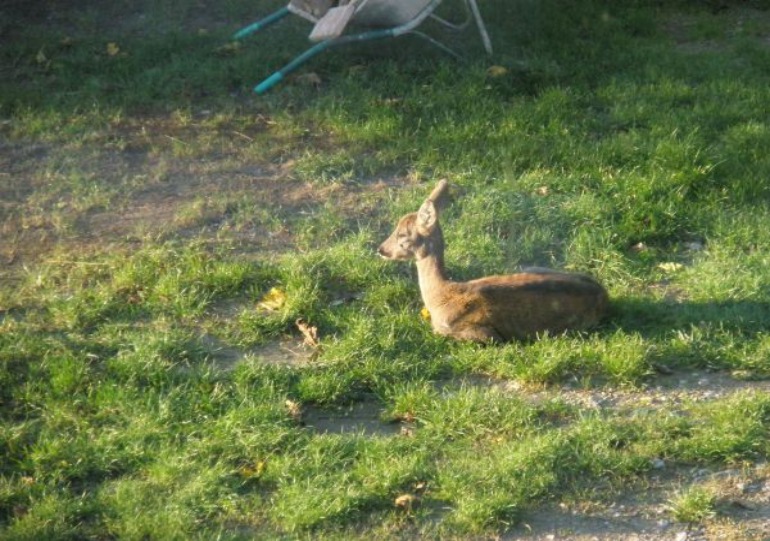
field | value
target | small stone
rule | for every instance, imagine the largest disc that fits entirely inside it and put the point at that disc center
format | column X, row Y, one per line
column 682, row 536
column 658, row 463
column 694, row 246
column 702, row 473
column 742, row 504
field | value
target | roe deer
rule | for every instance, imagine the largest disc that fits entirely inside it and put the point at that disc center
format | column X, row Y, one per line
column 496, row 308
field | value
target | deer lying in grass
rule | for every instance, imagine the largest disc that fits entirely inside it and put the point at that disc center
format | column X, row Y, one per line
column 496, row 308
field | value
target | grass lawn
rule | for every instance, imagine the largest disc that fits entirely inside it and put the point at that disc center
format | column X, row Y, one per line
column 198, row 341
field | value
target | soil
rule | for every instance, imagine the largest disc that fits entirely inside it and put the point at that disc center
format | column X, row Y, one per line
column 150, row 199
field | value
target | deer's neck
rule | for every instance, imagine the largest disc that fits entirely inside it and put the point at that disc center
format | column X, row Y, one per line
column 432, row 275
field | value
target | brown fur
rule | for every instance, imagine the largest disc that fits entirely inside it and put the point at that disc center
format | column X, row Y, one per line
column 496, row 308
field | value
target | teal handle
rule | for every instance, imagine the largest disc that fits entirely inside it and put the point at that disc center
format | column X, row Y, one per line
column 269, row 83
column 259, row 25
column 279, row 75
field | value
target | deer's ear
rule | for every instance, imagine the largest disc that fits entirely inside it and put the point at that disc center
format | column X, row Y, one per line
column 440, row 193
column 427, row 217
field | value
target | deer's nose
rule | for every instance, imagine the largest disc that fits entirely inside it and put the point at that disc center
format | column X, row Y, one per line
column 383, row 252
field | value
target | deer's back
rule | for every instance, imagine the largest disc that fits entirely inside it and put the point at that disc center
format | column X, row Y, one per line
column 519, row 306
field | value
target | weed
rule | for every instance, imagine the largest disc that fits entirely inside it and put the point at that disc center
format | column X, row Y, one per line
column 694, row 504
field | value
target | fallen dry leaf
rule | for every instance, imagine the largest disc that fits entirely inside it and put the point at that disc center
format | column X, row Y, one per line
column 229, row 48
column 273, row 299
column 497, row 71
column 406, row 501
column 309, row 333
column 112, row 49
column 670, row 266
column 253, row 471
column 40, row 57
column 29, row 481
column 294, row 409
column 406, row 417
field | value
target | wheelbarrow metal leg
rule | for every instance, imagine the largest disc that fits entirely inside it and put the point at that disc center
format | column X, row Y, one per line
column 400, row 30
column 279, row 75
column 262, row 23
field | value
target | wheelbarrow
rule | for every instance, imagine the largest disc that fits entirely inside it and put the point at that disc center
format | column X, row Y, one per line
column 374, row 19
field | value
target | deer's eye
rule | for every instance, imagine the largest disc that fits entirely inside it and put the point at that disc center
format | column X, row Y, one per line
column 405, row 242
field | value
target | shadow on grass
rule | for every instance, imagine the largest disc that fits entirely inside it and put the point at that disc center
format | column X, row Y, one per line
column 655, row 319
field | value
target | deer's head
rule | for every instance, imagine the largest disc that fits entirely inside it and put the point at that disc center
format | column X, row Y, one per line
column 417, row 234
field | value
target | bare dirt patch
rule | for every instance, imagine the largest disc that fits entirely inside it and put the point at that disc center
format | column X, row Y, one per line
column 669, row 390
column 79, row 200
column 360, row 418
column 285, row 352
column 643, row 513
